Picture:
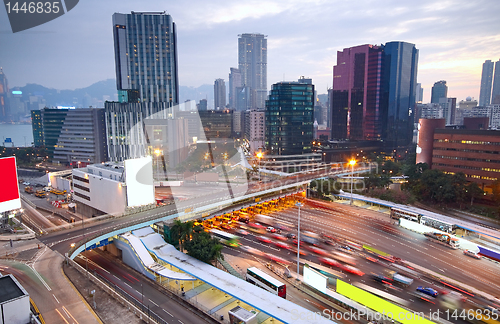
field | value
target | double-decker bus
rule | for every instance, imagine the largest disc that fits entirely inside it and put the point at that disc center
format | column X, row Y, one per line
column 226, row 238
column 263, row 280
column 397, row 213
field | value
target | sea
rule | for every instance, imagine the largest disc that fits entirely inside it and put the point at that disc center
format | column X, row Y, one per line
column 21, row 135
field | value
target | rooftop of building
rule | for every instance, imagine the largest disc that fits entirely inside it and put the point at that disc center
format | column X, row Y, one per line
column 467, row 132
column 10, row 289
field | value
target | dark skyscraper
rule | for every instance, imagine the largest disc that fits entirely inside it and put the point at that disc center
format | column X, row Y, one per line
column 356, row 95
column 146, row 57
column 439, row 90
column 252, row 63
column 289, row 118
column 401, row 61
column 486, row 81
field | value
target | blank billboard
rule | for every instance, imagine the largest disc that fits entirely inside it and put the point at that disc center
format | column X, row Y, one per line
column 9, row 190
column 139, row 181
column 315, row 279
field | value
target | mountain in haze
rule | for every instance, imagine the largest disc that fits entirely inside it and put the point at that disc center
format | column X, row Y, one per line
column 95, row 94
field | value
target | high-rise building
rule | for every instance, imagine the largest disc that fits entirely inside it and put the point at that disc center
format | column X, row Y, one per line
column 255, row 122
column 203, row 105
column 357, row 103
column 401, row 61
column 252, row 63
column 289, row 119
column 243, row 99
column 486, row 82
column 439, row 91
column 74, row 137
column 448, row 106
column 495, row 94
column 4, row 97
column 37, row 127
column 146, row 57
column 234, row 84
column 419, row 93
column 219, row 94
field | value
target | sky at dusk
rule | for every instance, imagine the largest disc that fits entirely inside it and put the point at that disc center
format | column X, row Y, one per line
column 454, row 38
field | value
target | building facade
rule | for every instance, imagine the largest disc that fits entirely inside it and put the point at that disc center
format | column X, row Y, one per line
column 289, row 119
column 234, row 84
column 473, row 152
column 495, row 92
column 357, row 104
column 401, row 80
column 37, row 127
column 252, row 63
column 219, row 94
column 217, row 124
column 255, row 125
column 71, row 137
column 126, row 137
column 439, row 91
column 373, row 94
column 4, row 98
column 146, row 57
column 486, row 83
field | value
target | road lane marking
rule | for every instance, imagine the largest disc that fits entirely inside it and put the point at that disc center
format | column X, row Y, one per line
column 128, row 285
column 168, row 313
column 56, row 298
column 58, row 312
column 41, row 279
column 67, row 312
column 153, row 303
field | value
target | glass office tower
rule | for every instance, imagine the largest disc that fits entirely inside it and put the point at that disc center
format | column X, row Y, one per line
column 146, row 57
column 289, row 118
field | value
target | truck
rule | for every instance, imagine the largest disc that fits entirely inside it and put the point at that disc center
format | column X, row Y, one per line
column 263, row 219
column 443, row 239
column 400, row 279
column 28, row 189
column 57, row 191
column 40, row 194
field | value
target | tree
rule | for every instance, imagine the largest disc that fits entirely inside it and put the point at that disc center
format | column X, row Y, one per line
column 474, row 192
column 204, row 248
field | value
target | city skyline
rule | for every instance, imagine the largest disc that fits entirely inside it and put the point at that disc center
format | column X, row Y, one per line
column 454, row 39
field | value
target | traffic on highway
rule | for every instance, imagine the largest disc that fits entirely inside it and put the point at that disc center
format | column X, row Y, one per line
column 407, row 268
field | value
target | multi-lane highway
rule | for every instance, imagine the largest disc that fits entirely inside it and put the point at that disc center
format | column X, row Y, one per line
column 374, row 229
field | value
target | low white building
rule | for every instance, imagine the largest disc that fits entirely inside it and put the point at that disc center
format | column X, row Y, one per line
column 14, row 301
column 112, row 187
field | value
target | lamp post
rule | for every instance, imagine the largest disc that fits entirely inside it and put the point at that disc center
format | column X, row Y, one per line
column 259, row 156
column 298, row 204
column 352, row 163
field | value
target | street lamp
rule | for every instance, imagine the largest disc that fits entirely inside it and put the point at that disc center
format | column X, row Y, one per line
column 298, row 204
column 259, row 156
column 352, row 163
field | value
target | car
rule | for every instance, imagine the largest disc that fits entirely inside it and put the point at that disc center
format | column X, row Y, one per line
column 472, row 254
column 428, row 291
column 282, row 245
column 263, row 239
column 242, row 231
column 26, row 183
column 352, row 270
column 225, row 226
column 330, row 262
column 278, row 237
column 291, row 236
column 271, row 229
